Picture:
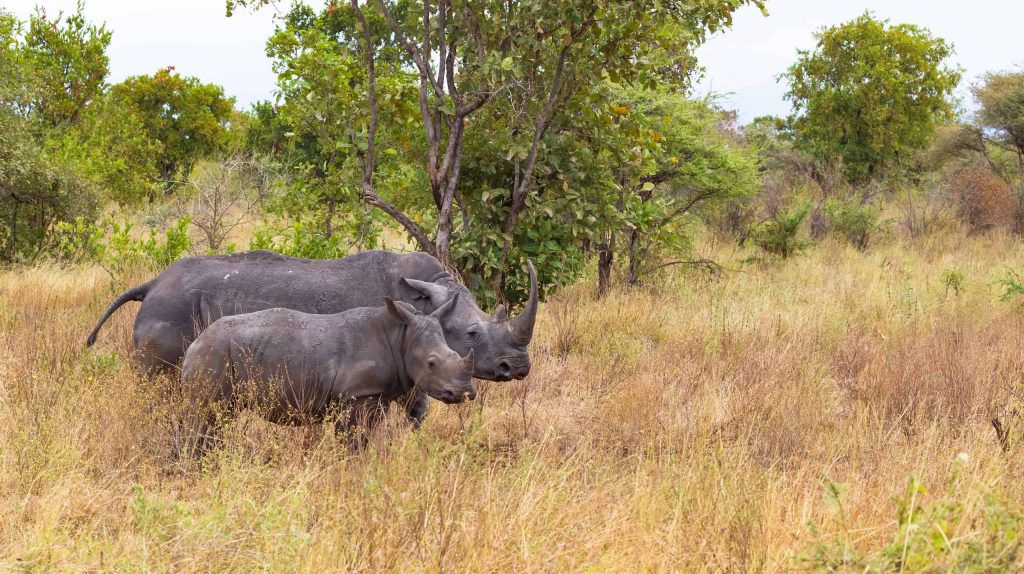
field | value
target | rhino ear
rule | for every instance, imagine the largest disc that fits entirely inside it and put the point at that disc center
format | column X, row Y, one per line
column 436, row 293
column 500, row 314
column 400, row 310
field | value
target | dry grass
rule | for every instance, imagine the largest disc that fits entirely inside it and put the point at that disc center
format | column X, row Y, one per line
column 768, row 421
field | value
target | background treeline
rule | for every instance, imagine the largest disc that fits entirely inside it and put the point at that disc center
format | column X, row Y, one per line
column 488, row 132
column 71, row 144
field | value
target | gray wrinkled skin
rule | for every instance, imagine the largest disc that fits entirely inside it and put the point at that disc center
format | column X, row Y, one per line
column 301, row 366
column 194, row 292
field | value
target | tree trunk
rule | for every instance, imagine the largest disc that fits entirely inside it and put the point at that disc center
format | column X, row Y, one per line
column 819, row 226
column 166, row 173
column 1019, row 223
column 604, row 269
column 329, row 220
column 633, row 278
column 605, row 262
column 449, row 180
column 12, row 244
column 368, row 158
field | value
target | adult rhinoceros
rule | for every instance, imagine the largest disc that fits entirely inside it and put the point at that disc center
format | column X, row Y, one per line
column 193, row 293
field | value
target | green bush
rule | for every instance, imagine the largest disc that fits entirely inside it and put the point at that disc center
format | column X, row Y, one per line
column 855, row 222
column 114, row 246
column 300, row 239
column 944, row 534
column 1012, row 286
column 955, row 280
column 780, row 236
column 79, row 240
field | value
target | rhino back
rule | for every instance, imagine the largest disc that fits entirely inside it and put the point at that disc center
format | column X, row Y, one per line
column 194, row 292
column 219, row 286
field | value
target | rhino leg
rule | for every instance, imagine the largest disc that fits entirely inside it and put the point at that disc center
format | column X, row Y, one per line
column 203, row 395
column 364, row 413
column 161, row 340
column 195, row 434
column 417, row 408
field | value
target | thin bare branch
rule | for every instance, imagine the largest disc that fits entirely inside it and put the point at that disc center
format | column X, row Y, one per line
column 368, row 158
column 410, row 226
column 442, row 57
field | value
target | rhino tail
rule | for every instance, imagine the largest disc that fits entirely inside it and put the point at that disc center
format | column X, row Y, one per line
column 137, row 293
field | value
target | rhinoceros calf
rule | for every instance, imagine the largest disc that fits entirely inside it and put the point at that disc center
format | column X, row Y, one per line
column 299, row 367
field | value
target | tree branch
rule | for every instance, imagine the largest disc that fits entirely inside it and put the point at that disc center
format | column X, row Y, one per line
column 660, row 177
column 442, row 57
column 542, row 121
column 368, row 158
column 687, row 207
column 418, row 58
column 712, row 267
column 416, row 231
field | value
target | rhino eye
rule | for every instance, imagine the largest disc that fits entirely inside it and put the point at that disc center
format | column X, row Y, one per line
column 431, row 363
column 472, row 334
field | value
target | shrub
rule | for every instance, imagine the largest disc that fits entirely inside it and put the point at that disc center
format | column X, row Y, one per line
column 84, row 242
column 78, row 240
column 927, row 537
column 925, row 209
column 1012, row 285
column 983, row 200
column 954, row 280
column 300, row 239
column 779, row 235
column 855, row 222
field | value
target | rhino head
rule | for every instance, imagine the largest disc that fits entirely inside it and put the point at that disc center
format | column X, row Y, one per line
column 499, row 343
column 433, row 367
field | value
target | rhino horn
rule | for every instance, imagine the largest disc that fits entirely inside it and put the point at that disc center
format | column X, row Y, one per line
column 500, row 314
column 467, row 362
column 522, row 326
column 436, row 293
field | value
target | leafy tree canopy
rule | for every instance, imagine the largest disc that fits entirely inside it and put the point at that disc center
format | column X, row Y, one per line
column 1000, row 118
column 189, row 118
column 69, row 63
column 470, row 123
column 871, row 93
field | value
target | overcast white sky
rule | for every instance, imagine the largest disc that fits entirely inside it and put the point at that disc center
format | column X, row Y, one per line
column 745, row 60
column 196, row 38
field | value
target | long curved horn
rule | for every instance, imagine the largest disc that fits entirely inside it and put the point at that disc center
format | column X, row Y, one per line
column 522, row 326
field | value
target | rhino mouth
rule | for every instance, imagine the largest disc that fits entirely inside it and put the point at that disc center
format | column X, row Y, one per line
column 453, row 398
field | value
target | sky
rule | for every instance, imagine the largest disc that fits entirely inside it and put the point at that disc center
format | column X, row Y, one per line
column 741, row 64
column 194, row 36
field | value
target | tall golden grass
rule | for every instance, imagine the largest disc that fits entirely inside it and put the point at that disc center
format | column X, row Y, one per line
column 829, row 412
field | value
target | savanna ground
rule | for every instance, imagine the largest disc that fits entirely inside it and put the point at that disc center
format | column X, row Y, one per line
column 832, row 411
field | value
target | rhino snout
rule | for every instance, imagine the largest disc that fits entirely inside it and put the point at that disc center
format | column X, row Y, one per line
column 508, row 369
column 452, row 397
